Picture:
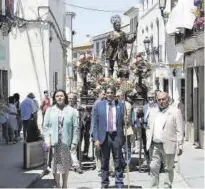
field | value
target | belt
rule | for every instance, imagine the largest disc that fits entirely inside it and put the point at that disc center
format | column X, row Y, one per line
column 111, row 132
column 157, row 142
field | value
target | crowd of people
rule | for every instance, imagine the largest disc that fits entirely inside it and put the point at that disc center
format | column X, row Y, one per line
column 158, row 123
column 114, row 123
column 16, row 116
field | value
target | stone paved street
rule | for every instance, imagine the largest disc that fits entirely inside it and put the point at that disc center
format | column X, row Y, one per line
column 90, row 179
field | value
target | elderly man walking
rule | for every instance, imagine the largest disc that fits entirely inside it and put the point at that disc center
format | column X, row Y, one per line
column 164, row 139
column 28, row 109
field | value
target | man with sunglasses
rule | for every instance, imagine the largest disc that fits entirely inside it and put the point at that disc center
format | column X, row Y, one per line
column 147, row 107
column 108, row 135
column 164, row 139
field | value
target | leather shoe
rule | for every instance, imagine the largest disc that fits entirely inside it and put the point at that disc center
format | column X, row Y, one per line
column 79, row 170
column 104, row 186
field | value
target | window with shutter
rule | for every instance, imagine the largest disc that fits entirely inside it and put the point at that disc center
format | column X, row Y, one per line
column 3, row 84
column 160, row 53
column 103, row 44
column 135, row 23
column 97, row 49
column 55, row 81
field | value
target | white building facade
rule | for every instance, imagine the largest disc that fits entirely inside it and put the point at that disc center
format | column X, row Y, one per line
column 4, row 66
column 189, row 42
column 151, row 27
column 39, row 47
column 6, row 14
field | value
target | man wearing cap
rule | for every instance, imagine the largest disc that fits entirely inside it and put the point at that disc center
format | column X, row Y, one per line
column 27, row 108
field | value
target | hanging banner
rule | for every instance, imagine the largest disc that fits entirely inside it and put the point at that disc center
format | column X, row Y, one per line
column 175, row 65
column 163, row 73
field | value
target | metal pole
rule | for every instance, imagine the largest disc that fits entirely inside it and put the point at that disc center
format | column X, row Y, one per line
column 126, row 144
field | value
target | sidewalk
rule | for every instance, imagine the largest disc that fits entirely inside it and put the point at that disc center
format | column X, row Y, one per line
column 192, row 166
column 12, row 174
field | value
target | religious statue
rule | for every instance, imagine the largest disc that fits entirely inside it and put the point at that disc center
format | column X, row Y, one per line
column 116, row 45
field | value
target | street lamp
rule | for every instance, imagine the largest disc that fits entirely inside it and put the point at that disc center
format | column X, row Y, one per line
column 162, row 5
column 146, row 43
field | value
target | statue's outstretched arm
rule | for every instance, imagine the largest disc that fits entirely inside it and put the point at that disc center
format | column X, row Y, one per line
column 130, row 40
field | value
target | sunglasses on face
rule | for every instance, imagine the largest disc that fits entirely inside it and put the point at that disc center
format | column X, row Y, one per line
column 109, row 92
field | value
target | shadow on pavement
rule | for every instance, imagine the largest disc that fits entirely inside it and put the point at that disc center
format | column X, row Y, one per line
column 43, row 183
column 131, row 186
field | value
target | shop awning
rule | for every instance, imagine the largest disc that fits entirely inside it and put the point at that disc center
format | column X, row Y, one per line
column 182, row 16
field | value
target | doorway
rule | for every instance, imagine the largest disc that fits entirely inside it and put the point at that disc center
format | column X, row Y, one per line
column 4, row 84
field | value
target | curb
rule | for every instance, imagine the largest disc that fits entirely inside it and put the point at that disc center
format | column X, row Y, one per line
column 179, row 175
column 38, row 177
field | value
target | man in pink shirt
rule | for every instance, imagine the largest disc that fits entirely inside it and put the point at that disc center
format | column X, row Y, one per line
column 46, row 103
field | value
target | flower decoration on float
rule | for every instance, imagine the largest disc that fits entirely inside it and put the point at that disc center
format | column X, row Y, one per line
column 84, row 63
column 96, row 69
column 126, row 86
column 120, row 83
column 140, row 66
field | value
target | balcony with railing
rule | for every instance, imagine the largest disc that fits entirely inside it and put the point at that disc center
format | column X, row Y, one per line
column 198, row 29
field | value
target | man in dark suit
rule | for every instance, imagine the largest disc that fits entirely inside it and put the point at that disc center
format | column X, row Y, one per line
column 108, row 134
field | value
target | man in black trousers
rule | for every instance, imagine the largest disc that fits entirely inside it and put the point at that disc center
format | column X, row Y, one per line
column 108, row 135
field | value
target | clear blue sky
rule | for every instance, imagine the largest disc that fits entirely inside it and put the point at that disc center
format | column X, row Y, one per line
column 93, row 22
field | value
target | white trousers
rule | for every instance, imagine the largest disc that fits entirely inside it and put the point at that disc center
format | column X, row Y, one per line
column 158, row 156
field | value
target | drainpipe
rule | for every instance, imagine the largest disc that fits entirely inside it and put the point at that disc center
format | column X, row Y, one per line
column 69, row 36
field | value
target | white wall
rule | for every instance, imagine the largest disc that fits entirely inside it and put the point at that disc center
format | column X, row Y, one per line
column 4, row 56
column 57, row 59
column 145, row 29
column 148, row 16
column 33, row 58
column 29, row 69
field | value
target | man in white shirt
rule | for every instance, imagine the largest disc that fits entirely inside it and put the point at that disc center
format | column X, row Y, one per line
column 164, row 139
